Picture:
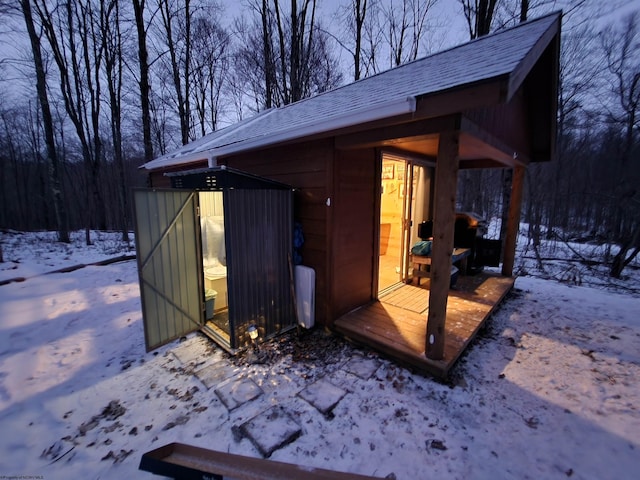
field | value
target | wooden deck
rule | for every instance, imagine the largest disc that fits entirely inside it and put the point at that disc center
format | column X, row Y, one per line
column 396, row 325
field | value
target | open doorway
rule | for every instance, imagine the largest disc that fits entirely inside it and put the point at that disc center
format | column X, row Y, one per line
column 214, row 263
column 405, row 201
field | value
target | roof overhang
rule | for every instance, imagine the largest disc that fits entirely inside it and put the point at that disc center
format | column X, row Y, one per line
column 521, row 93
column 370, row 113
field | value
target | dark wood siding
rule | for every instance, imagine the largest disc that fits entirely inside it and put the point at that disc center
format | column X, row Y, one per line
column 354, row 230
column 306, row 167
column 506, row 122
column 158, row 180
column 540, row 91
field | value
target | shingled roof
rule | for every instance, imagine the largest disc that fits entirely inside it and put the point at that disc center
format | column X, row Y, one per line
column 507, row 55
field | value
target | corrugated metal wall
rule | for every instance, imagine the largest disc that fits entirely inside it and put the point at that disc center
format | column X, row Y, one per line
column 258, row 235
column 168, row 254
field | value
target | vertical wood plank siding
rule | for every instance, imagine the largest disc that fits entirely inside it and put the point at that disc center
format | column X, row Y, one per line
column 258, row 239
column 354, row 228
column 506, row 122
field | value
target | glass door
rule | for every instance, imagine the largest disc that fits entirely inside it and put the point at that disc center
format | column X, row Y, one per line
column 404, row 203
column 417, row 207
column 392, row 224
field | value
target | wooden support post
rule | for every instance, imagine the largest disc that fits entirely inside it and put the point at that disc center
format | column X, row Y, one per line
column 513, row 223
column 443, row 225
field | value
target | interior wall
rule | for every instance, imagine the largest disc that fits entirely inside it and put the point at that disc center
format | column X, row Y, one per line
column 214, row 258
column 211, row 204
column 391, row 206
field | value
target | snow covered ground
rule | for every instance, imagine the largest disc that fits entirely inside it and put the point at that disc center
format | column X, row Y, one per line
column 550, row 389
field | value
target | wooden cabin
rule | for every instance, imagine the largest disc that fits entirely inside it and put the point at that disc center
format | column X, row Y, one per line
column 372, row 160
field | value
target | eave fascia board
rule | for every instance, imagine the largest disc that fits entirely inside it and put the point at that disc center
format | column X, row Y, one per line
column 370, row 113
column 177, row 160
column 199, row 149
column 382, row 135
column 519, row 74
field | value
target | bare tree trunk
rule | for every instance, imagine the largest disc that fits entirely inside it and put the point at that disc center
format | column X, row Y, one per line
column 479, row 15
column 210, row 70
column 145, row 88
column 92, row 53
column 306, row 50
column 283, row 86
column 359, row 14
column 405, row 29
column 619, row 47
column 80, row 88
column 485, row 16
column 507, row 178
column 524, row 10
column 621, row 260
column 267, row 54
column 47, row 120
column 180, row 67
column 295, row 50
column 112, row 38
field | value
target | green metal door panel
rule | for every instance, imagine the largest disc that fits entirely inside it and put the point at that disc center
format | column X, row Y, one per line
column 168, row 264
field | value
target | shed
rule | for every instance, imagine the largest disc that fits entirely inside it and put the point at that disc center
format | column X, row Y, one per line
column 214, row 254
column 372, row 160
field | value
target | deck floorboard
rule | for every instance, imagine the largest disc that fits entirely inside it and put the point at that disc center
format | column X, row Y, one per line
column 396, row 325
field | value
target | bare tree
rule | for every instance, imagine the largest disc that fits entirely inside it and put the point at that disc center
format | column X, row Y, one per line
column 298, row 35
column 285, row 56
column 620, row 47
column 139, row 7
column 479, row 15
column 47, row 120
column 577, row 71
column 210, row 59
column 113, row 61
column 406, row 25
column 359, row 9
column 177, row 36
column 363, row 35
column 72, row 33
column 373, row 39
column 268, row 60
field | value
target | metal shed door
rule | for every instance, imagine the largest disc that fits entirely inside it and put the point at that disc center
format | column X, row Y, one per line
column 169, row 264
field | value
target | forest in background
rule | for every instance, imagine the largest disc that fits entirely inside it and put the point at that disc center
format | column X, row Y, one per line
column 92, row 89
